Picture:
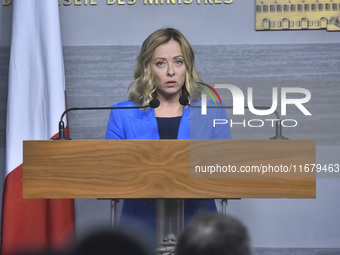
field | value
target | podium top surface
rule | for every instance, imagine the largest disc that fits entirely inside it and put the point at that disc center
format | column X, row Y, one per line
column 167, row 169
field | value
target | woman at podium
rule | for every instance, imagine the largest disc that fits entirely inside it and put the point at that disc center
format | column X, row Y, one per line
column 165, row 71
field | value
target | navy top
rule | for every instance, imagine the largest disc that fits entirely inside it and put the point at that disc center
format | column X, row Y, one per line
column 168, row 127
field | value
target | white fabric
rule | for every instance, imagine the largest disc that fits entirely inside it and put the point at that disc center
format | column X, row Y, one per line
column 36, row 89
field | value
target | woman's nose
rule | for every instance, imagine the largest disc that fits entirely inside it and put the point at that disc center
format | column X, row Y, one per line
column 171, row 71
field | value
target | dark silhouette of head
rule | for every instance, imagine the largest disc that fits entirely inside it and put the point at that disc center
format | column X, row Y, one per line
column 109, row 242
column 214, row 234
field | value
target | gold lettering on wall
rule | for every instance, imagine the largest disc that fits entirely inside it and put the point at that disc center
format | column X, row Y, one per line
column 120, row 2
column 132, row 2
column 6, row 2
column 77, row 2
column 67, row 2
column 150, row 1
column 179, row 2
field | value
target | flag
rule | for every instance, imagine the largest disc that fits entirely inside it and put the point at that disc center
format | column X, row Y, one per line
column 36, row 100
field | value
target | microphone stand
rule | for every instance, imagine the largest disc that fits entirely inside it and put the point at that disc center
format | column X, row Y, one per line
column 153, row 104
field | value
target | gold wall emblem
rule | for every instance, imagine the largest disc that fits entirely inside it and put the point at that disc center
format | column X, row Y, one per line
column 297, row 14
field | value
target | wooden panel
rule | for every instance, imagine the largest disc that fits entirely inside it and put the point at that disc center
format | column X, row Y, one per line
column 144, row 169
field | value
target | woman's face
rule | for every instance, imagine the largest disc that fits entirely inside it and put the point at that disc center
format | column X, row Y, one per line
column 169, row 69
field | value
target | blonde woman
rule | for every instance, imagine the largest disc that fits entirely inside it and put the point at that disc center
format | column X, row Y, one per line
column 166, row 71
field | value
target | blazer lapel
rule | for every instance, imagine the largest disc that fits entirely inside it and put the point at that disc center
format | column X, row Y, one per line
column 198, row 123
column 184, row 125
column 144, row 125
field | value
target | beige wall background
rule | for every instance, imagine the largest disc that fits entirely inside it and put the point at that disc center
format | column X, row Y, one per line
column 100, row 46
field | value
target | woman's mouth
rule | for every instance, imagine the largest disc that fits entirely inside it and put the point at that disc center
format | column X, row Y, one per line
column 171, row 83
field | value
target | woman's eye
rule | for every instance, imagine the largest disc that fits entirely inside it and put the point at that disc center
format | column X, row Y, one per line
column 160, row 63
column 179, row 62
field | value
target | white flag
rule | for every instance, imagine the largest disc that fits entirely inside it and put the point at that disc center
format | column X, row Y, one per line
column 36, row 99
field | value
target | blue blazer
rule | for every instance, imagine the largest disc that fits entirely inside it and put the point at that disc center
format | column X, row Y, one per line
column 135, row 124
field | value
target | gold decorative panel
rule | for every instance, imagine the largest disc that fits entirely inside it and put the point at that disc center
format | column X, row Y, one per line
column 297, row 14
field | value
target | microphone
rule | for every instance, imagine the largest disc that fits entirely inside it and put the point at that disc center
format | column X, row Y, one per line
column 183, row 100
column 154, row 103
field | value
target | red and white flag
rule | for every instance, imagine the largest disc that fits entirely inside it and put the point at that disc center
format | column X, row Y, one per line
column 36, row 99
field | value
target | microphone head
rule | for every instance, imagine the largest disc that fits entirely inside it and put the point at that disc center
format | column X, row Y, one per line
column 183, row 100
column 154, row 103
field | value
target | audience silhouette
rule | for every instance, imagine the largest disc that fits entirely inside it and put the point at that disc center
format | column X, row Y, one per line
column 214, row 234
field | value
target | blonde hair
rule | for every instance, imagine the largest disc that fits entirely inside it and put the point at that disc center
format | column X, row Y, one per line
column 142, row 90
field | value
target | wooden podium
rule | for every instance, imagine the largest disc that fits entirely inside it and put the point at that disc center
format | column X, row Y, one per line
column 167, row 169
